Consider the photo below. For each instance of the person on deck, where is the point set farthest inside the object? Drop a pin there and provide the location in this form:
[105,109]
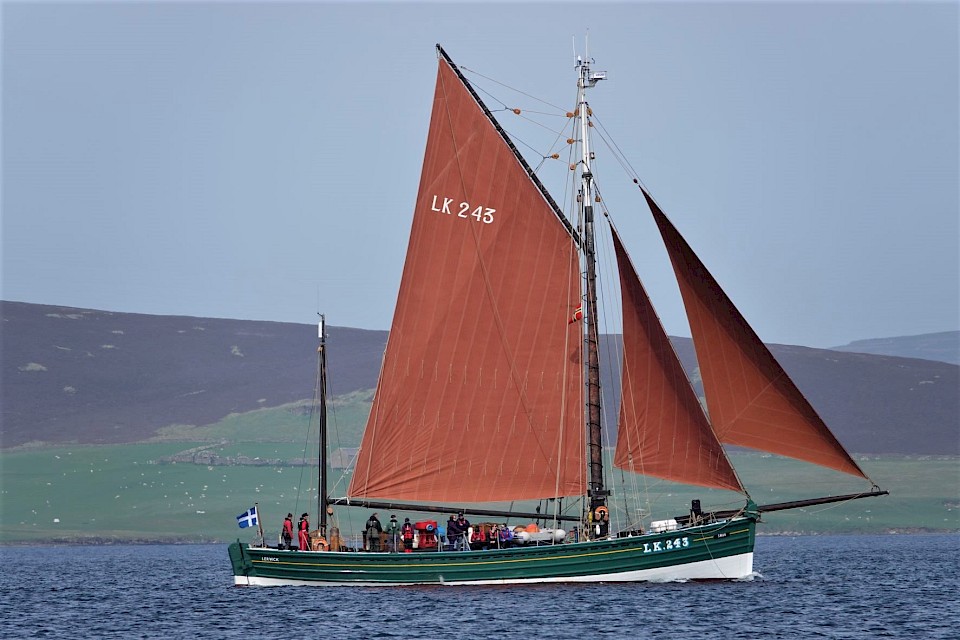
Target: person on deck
[506,536]
[286,534]
[463,525]
[374,529]
[406,532]
[303,527]
[453,532]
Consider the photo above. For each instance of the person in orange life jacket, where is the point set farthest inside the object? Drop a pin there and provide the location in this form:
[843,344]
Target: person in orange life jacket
[286,534]
[406,532]
[303,527]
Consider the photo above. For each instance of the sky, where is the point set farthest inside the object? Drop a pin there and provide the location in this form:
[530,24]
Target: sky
[261,160]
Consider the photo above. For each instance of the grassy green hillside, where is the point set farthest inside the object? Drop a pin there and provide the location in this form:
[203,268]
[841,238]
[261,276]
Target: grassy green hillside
[124,492]
[346,415]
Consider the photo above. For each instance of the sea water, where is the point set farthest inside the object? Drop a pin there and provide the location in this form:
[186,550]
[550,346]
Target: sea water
[904,586]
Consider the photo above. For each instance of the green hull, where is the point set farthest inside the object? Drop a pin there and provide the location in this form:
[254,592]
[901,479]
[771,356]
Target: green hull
[717,551]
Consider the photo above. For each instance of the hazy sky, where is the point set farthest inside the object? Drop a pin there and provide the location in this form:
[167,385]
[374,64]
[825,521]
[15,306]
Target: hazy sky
[260,161]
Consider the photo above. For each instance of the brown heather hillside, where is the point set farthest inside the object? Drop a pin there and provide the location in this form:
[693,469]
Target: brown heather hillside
[77,375]
[873,403]
[97,377]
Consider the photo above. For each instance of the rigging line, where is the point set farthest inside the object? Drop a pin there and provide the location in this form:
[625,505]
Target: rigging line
[503,104]
[614,348]
[536,122]
[563,395]
[620,160]
[603,285]
[638,475]
[519,113]
[539,113]
[570,204]
[320,388]
[529,146]
[494,309]
[332,412]
[632,172]
[832,506]
[570,184]
[306,442]
[332,418]
[506,86]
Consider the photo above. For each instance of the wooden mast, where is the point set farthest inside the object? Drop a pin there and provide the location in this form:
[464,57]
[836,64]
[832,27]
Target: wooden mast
[597,493]
[322,382]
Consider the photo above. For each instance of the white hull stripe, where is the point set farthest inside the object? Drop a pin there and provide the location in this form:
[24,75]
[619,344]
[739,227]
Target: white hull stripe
[728,568]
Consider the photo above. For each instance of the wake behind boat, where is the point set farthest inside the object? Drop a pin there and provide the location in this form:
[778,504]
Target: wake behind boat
[489,390]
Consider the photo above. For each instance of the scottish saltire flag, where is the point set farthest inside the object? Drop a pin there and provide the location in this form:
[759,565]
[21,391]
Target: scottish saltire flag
[247,518]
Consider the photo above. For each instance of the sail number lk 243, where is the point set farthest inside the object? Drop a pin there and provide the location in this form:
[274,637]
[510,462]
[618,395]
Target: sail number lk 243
[667,545]
[481,213]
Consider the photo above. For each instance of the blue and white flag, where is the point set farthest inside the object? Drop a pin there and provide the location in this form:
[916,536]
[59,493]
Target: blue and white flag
[247,518]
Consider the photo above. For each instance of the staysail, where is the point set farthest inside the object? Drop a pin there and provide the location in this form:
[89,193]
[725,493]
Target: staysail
[751,400]
[662,430]
[480,392]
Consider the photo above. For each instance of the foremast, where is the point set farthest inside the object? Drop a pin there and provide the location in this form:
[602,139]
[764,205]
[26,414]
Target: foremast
[322,409]
[596,491]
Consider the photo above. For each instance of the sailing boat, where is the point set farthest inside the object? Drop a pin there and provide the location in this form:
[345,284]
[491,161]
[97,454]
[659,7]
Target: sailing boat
[489,392]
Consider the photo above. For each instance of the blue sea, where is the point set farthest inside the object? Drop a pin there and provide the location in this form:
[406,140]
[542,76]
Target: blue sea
[905,586]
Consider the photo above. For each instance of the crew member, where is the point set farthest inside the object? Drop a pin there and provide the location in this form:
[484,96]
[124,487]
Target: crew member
[374,529]
[303,527]
[286,534]
[463,525]
[406,532]
[453,532]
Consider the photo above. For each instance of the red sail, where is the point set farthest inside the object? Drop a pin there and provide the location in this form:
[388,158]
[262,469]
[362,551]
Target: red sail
[750,399]
[663,431]
[479,396]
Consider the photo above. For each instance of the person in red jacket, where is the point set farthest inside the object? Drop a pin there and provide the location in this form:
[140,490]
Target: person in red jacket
[406,532]
[287,534]
[304,528]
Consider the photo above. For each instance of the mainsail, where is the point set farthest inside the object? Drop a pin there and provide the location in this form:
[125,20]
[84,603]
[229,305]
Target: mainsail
[662,431]
[751,400]
[480,392]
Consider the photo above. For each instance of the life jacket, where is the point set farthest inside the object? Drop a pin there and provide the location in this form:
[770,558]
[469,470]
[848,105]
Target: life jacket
[407,531]
[303,525]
